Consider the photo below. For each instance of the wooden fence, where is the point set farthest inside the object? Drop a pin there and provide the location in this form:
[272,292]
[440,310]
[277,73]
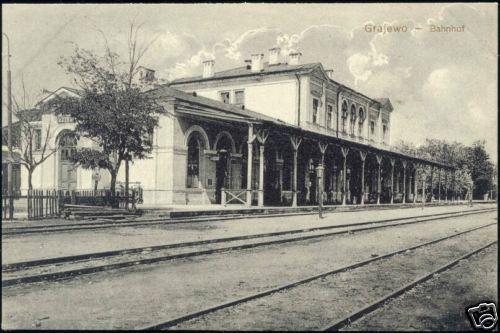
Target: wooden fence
[233,196]
[38,204]
[101,198]
[7,205]
[43,203]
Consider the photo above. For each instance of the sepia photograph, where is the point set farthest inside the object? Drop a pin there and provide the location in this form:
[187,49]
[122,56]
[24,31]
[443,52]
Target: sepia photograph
[250,166]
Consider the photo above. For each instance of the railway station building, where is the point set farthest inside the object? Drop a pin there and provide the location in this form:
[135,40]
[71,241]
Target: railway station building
[255,135]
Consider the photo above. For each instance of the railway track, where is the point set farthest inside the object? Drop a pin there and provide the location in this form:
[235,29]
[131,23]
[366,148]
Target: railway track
[360,313]
[104,224]
[71,266]
[173,323]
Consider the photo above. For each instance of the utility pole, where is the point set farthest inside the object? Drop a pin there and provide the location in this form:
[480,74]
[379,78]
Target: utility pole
[9,133]
[126,180]
[319,187]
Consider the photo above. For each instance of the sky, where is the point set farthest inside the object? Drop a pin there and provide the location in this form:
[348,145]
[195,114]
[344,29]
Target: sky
[442,85]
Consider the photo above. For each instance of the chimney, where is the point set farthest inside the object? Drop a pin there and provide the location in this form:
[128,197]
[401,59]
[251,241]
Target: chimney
[248,64]
[329,72]
[274,56]
[294,58]
[257,62]
[208,68]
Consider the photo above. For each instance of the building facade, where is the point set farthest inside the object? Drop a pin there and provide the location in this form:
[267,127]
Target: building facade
[255,135]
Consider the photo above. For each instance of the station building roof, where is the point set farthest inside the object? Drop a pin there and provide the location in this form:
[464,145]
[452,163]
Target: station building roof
[281,68]
[220,110]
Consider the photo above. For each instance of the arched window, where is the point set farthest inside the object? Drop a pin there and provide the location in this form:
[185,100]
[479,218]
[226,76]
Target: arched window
[353,113]
[361,120]
[353,118]
[344,116]
[361,115]
[67,145]
[195,145]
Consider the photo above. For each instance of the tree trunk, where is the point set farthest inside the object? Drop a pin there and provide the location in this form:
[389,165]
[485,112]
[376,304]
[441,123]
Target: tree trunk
[30,176]
[112,188]
[126,182]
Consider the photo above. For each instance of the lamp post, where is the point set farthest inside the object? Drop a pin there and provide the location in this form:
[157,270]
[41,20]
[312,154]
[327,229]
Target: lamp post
[9,133]
[319,186]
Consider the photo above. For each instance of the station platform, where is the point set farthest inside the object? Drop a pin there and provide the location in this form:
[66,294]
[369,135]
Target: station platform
[35,246]
[183,211]
[177,213]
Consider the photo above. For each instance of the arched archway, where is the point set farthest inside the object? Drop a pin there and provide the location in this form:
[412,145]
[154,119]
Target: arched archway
[273,170]
[225,146]
[196,142]
[66,147]
[200,131]
[225,135]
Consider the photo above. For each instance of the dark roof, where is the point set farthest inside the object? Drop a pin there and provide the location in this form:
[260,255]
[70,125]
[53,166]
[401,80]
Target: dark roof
[165,91]
[245,71]
[72,90]
[267,69]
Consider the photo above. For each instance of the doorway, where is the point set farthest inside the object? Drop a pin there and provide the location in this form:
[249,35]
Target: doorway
[67,169]
[222,175]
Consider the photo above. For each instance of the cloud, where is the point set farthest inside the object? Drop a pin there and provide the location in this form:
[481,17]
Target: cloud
[359,65]
[433,79]
[438,80]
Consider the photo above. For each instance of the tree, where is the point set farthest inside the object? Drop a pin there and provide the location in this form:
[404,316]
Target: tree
[482,169]
[29,139]
[473,167]
[406,147]
[112,109]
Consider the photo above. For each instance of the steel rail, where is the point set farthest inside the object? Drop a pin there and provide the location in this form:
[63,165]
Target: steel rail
[178,320]
[98,255]
[356,315]
[164,221]
[84,257]
[107,267]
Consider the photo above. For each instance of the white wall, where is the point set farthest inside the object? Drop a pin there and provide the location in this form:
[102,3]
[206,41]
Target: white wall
[155,174]
[275,99]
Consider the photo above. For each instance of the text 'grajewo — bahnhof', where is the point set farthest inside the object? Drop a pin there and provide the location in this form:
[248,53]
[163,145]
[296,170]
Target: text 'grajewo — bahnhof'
[402,28]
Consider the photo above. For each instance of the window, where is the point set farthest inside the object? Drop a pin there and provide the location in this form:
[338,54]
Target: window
[239,97]
[193,164]
[67,146]
[315,110]
[361,115]
[225,97]
[384,132]
[361,120]
[37,139]
[353,118]
[344,116]
[329,116]
[372,128]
